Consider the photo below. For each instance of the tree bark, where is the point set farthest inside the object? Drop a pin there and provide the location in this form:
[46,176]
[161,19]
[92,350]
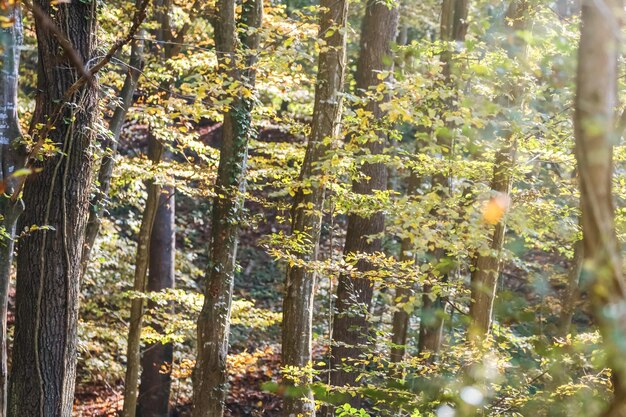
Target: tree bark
[354,294]
[453,27]
[209,380]
[484,277]
[400,321]
[307,207]
[49,260]
[596,99]
[11,159]
[572,292]
[156,359]
[142,261]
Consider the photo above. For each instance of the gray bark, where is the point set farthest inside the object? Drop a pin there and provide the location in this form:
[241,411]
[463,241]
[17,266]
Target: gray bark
[156,358]
[307,208]
[11,159]
[140,283]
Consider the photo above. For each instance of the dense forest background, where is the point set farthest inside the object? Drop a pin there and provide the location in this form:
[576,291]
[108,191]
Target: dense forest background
[285,208]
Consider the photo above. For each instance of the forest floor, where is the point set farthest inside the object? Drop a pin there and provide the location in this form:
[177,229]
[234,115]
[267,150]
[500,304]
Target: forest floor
[246,399]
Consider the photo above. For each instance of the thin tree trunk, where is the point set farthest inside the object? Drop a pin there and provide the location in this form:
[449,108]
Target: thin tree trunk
[49,261]
[10,160]
[110,145]
[572,292]
[453,27]
[209,380]
[401,318]
[400,322]
[485,274]
[170,47]
[142,261]
[308,203]
[354,295]
[484,277]
[596,99]
[156,360]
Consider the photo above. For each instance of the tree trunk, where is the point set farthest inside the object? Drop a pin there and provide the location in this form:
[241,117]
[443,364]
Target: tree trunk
[10,161]
[400,322]
[307,207]
[354,294]
[572,291]
[156,360]
[142,261]
[487,267]
[484,277]
[594,130]
[49,260]
[209,380]
[401,318]
[105,173]
[453,27]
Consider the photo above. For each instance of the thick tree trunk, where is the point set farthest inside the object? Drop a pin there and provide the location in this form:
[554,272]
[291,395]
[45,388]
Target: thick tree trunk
[142,262]
[594,129]
[105,173]
[209,380]
[49,261]
[354,294]
[308,203]
[453,27]
[156,360]
[487,267]
[10,161]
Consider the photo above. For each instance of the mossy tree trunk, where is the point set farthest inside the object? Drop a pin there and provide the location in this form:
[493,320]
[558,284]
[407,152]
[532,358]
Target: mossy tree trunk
[210,378]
